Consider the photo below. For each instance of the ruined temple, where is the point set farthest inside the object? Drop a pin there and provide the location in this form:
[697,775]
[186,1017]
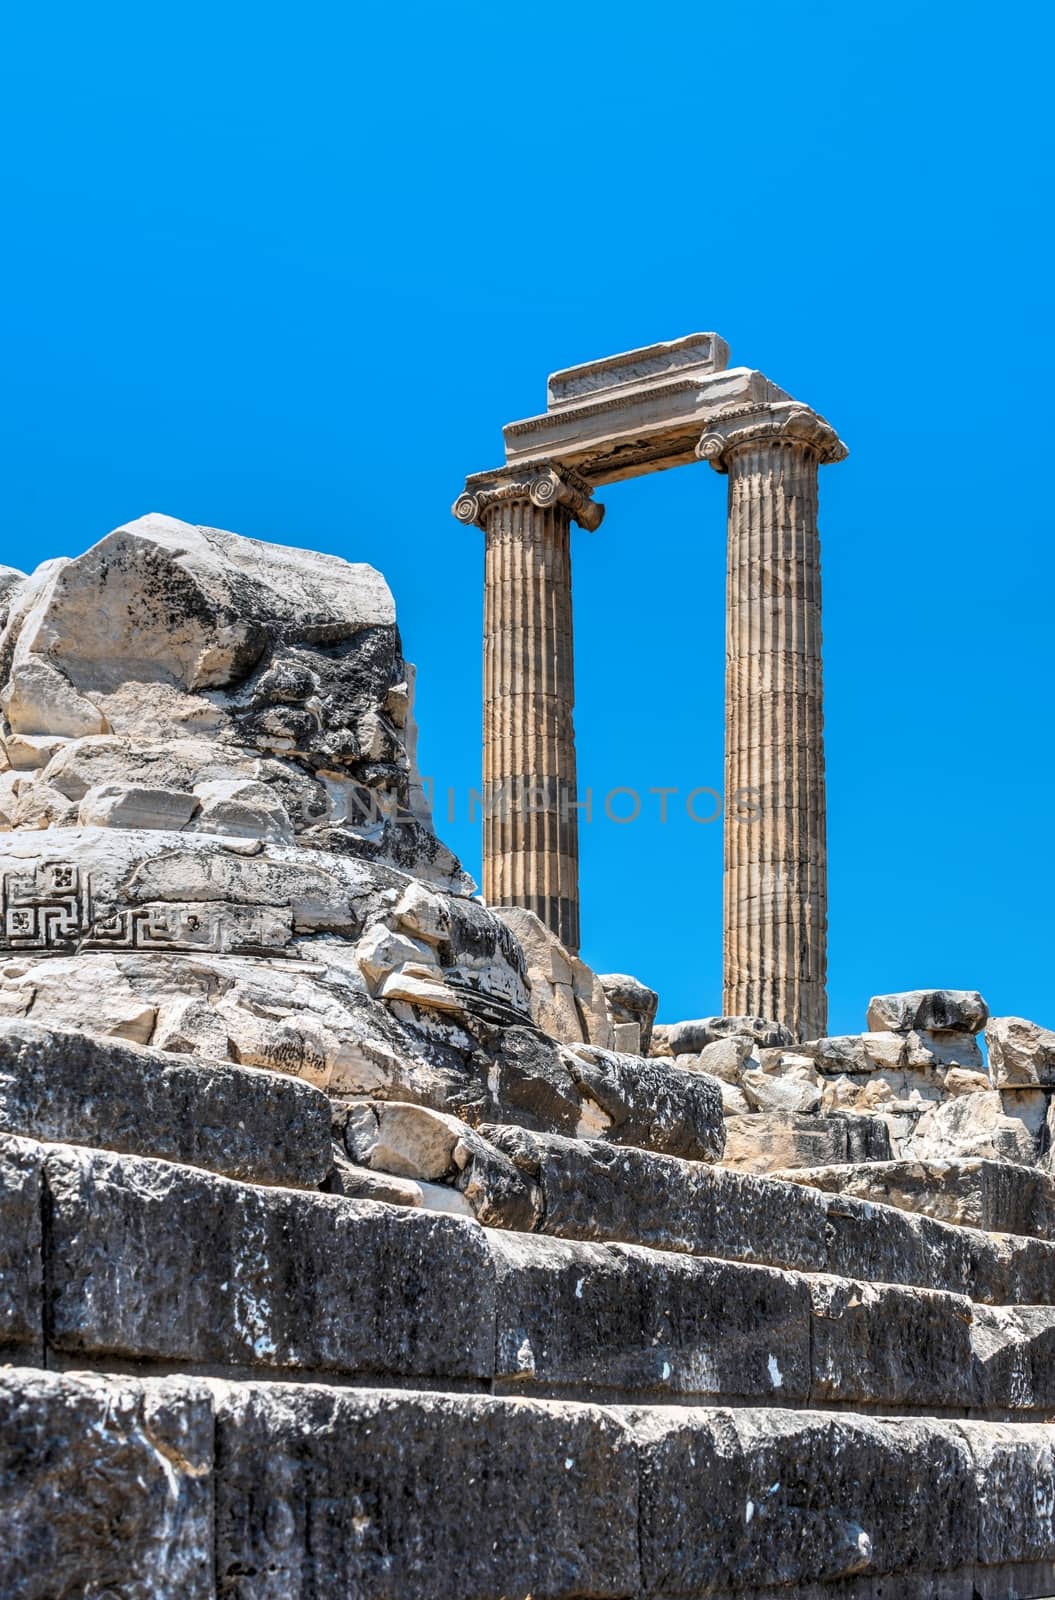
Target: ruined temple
[357,1240]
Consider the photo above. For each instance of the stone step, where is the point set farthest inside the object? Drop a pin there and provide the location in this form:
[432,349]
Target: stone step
[997,1196]
[120,1259]
[508,1177]
[276,1491]
[242,1122]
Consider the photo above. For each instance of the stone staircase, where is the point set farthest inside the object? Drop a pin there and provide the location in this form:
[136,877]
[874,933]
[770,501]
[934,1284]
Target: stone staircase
[647,1377]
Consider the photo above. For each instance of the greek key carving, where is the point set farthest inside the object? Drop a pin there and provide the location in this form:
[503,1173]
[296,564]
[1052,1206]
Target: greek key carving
[50,906]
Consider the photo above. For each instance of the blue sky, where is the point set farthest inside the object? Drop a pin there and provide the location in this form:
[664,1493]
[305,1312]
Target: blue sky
[288,270]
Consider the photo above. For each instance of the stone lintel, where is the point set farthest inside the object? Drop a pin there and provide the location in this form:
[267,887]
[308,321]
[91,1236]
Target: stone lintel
[693,356]
[780,422]
[628,432]
[544,483]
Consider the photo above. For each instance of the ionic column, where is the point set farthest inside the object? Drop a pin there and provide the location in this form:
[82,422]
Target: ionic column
[531,838]
[775,887]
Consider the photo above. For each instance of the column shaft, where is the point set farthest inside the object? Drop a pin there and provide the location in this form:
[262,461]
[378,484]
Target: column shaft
[531,842]
[775,881]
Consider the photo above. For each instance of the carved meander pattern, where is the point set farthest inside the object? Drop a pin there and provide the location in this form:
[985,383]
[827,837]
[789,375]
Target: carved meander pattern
[51,907]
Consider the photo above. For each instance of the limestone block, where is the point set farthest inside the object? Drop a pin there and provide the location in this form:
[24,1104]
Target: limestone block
[858,1053]
[584,1318]
[424,914]
[928,1050]
[934,1010]
[1021,1054]
[996,1196]
[156,1262]
[691,1037]
[815,1498]
[382,949]
[1014,1357]
[77,993]
[598,1191]
[73,1088]
[31,752]
[971,1125]
[416,989]
[189,1026]
[650,1103]
[660,1045]
[592,1005]
[414,1142]
[958,1080]
[734,1101]
[39,699]
[335,1492]
[129,805]
[630,1001]
[105,1486]
[794,1091]
[626,1038]
[244,809]
[888,1345]
[791,1139]
[726,1058]
[21,1271]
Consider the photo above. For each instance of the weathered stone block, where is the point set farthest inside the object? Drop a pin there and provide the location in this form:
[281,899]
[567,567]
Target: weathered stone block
[997,1196]
[652,1104]
[1014,1357]
[595,1191]
[21,1292]
[105,1487]
[1021,1054]
[878,1344]
[158,1262]
[791,1139]
[758,1498]
[75,1088]
[1014,1469]
[583,1319]
[937,1010]
[327,1493]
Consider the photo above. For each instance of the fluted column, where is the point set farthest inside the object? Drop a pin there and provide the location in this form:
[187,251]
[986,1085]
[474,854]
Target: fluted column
[530,820]
[775,887]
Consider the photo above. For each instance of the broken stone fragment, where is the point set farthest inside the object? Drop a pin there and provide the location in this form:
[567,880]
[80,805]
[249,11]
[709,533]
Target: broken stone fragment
[796,1090]
[689,1038]
[933,1010]
[1020,1053]
[129,805]
[971,1125]
[630,1002]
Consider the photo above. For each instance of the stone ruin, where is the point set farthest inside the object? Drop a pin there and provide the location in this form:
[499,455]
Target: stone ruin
[359,1242]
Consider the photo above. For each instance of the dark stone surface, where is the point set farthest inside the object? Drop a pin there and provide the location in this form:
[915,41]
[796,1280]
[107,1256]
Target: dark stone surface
[688,1038]
[749,1498]
[153,1261]
[105,1488]
[998,1196]
[78,1089]
[592,1190]
[21,1290]
[589,1318]
[325,1494]
[653,1104]
[877,1344]
[1014,1357]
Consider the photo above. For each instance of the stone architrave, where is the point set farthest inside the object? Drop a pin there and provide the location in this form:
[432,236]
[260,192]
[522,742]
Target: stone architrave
[775,879]
[531,840]
[642,411]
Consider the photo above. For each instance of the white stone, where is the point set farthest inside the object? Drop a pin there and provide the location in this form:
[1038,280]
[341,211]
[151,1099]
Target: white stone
[129,805]
[793,1092]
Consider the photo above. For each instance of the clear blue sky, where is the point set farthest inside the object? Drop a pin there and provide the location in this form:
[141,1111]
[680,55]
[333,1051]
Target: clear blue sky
[288,270]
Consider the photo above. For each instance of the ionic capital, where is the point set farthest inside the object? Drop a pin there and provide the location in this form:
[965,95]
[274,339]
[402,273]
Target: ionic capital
[543,484]
[781,423]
